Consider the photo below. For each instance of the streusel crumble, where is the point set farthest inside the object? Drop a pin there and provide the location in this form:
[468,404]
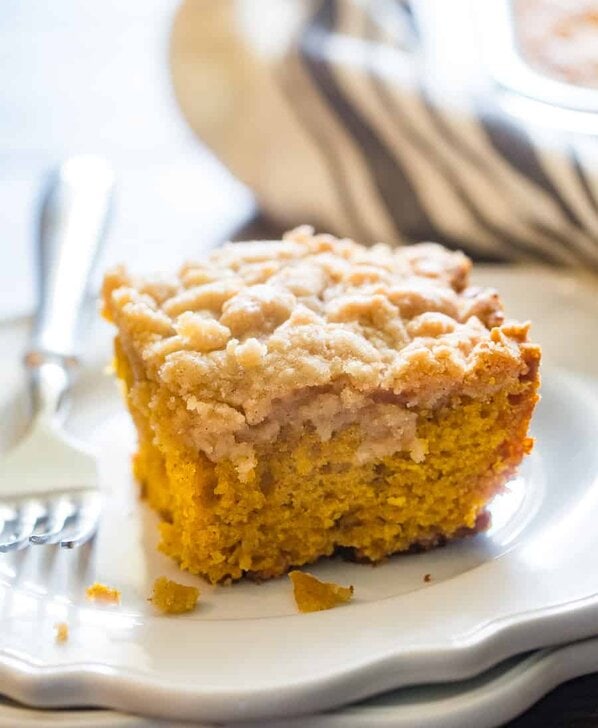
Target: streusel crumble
[295,397]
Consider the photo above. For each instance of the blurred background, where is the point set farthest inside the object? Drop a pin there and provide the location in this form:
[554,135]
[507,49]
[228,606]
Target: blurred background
[471,123]
[94,77]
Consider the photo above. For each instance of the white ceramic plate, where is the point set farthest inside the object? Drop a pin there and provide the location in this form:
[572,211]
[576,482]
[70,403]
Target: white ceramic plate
[485,701]
[246,653]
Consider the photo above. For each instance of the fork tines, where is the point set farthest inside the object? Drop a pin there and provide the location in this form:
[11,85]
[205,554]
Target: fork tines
[69,520]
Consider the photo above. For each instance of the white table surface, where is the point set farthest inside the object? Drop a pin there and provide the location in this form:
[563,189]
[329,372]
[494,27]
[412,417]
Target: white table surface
[93,77]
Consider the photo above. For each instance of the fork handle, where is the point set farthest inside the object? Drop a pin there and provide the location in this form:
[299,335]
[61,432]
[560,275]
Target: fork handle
[72,224]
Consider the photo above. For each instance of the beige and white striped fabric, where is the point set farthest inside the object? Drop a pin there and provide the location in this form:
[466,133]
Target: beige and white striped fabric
[333,114]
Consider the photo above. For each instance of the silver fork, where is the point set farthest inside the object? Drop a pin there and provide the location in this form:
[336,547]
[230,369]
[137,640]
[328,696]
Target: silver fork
[48,481]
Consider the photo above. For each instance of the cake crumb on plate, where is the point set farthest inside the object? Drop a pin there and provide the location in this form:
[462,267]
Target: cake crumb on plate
[169,597]
[62,632]
[101,593]
[313,595]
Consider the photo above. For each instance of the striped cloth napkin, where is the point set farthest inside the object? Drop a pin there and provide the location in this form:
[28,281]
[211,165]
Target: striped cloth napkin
[380,122]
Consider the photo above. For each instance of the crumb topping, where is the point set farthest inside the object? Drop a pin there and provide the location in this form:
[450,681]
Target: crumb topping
[313,595]
[169,597]
[313,331]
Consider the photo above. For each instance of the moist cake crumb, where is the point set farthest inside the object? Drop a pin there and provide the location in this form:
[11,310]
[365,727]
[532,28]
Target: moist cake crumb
[169,597]
[313,595]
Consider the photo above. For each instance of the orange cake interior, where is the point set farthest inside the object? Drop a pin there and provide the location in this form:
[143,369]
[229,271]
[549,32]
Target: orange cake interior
[299,397]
